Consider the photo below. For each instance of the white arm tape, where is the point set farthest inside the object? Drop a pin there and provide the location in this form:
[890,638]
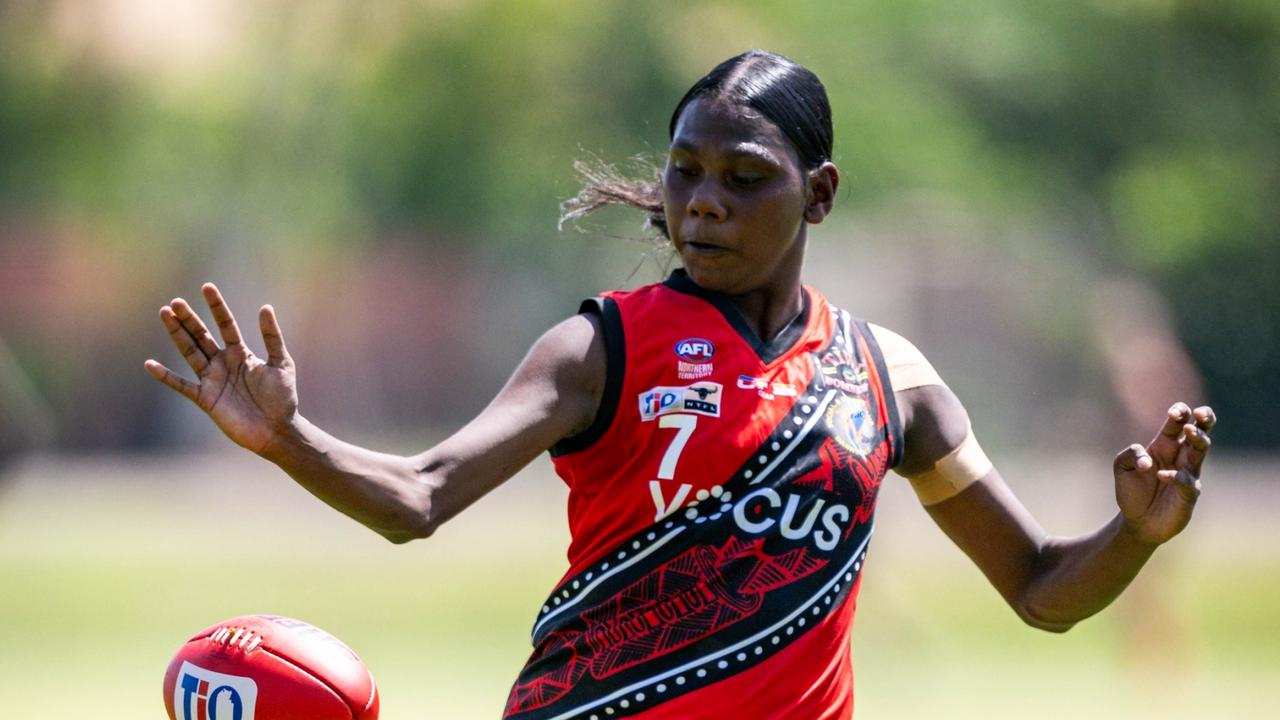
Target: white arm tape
[956,471]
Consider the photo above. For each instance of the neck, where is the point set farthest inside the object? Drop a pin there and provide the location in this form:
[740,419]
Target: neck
[772,305]
[761,316]
[768,301]
[769,310]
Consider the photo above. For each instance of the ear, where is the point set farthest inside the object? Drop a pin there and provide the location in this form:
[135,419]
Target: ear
[823,183]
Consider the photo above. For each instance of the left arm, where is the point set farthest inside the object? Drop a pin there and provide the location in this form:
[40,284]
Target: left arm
[1054,582]
[1051,582]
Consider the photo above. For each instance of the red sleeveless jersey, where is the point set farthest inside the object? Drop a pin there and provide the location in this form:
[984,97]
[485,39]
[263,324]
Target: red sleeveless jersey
[720,508]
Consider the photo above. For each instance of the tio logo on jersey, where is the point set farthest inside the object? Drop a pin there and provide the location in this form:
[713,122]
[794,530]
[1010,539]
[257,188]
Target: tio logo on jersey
[203,694]
[699,398]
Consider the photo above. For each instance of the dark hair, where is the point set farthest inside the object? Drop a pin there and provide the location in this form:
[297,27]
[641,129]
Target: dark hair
[786,93]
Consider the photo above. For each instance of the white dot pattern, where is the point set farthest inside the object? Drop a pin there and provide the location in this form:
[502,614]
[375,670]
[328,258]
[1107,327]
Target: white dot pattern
[805,414]
[748,654]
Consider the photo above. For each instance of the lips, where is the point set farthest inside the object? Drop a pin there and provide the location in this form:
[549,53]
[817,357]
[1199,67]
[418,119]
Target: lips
[704,247]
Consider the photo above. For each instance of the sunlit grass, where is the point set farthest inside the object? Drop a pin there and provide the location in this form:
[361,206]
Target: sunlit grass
[105,571]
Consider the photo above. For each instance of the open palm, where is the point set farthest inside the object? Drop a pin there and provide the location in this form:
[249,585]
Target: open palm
[250,399]
[1157,486]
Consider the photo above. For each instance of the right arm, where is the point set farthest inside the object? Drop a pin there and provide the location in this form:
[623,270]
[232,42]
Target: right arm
[553,394]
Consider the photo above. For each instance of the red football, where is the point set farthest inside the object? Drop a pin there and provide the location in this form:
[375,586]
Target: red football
[267,667]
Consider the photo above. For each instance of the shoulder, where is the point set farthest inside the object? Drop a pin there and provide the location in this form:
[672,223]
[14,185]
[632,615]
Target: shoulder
[572,353]
[908,367]
[934,422]
[562,376]
[579,362]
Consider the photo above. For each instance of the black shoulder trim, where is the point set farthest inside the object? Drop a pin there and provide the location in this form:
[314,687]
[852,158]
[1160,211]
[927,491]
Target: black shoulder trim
[767,351]
[615,352]
[886,390]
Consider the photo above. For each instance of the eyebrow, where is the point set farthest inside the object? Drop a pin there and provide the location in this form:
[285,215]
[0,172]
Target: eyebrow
[746,149]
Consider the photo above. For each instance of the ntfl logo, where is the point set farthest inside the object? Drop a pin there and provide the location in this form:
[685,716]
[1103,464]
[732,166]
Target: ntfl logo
[203,694]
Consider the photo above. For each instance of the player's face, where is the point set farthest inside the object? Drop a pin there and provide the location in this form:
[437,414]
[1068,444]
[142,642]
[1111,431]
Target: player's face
[735,198]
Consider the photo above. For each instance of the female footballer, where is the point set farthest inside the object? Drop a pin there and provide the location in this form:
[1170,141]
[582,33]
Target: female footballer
[723,435]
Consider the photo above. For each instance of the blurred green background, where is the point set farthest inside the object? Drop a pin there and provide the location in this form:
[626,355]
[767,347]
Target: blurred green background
[1072,208]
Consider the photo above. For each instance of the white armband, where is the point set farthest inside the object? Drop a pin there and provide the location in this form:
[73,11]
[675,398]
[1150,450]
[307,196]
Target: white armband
[956,471]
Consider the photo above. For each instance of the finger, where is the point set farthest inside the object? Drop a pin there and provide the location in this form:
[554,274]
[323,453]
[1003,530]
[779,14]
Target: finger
[194,326]
[1205,418]
[222,315]
[1188,485]
[277,354]
[1133,459]
[189,389]
[195,358]
[1179,414]
[1197,444]
[1165,444]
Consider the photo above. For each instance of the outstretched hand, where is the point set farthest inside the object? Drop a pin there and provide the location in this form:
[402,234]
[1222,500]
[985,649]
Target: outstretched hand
[1157,486]
[250,399]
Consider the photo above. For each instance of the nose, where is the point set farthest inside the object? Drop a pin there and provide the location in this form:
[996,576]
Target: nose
[706,204]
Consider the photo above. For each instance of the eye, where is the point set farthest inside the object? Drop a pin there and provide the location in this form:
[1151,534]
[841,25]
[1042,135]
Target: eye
[685,170]
[745,179]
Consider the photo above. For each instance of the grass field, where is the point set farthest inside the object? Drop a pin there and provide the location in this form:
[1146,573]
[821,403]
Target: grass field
[107,565]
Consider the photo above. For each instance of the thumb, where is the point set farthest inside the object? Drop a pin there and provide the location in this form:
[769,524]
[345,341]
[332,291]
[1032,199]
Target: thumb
[1133,459]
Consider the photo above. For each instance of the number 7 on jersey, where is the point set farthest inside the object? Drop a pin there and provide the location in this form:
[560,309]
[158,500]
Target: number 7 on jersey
[684,426]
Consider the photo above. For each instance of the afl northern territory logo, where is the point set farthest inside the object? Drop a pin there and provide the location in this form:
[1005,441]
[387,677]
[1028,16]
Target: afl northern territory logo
[695,350]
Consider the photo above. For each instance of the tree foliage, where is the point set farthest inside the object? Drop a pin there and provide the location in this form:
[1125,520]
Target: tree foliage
[1150,128]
